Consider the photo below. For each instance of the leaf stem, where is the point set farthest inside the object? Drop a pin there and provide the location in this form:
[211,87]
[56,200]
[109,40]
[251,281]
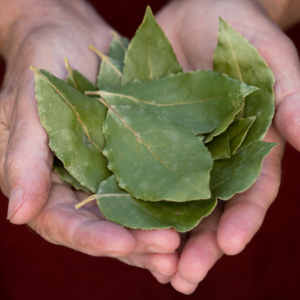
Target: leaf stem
[96,196]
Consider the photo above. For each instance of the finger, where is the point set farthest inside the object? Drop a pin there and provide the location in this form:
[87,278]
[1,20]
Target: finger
[161,278]
[28,161]
[161,263]
[147,241]
[181,285]
[199,254]
[244,213]
[156,241]
[281,56]
[81,230]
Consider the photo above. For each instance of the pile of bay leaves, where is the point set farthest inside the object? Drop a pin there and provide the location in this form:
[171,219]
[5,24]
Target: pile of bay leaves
[155,146]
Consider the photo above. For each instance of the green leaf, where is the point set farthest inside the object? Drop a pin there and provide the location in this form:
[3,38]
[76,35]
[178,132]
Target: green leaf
[191,100]
[237,173]
[153,158]
[64,175]
[118,46]
[82,84]
[236,57]
[237,132]
[110,72]
[77,80]
[73,122]
[121,208]
[219,146]
[150,54]
[225,123]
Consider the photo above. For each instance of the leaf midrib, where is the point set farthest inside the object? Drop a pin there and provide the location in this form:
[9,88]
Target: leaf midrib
[102,93]
[241,166]
[78,117]
[148,148]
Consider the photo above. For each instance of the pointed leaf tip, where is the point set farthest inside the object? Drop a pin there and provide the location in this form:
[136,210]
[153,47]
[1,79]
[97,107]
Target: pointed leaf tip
[149,11]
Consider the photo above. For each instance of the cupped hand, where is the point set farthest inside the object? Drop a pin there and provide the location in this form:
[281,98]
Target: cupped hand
[41,37]
[192,27]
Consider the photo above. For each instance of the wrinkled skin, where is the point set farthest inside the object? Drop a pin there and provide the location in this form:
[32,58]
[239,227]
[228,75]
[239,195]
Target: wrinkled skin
[26,159]
[192,27]
[42,40]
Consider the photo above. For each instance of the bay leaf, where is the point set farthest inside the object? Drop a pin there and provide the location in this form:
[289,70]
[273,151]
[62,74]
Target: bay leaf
[153,158]
[219,146]
[73,122]
[120,207]
[76,80]
[199,101]
[110,72]
[82,84]
[64,175]
[237,173]
[225,123]
[150,54]
[118,46]
[236,57]
[237,132]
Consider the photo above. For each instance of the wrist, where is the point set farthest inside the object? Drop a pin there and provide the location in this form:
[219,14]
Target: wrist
[20,18]
[285,13]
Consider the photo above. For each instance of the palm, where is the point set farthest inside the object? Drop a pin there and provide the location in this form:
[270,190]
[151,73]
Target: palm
[194,39]
[49,204]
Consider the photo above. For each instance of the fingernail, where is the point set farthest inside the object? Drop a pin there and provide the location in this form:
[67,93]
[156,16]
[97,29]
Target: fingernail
[156,249]
[15,201]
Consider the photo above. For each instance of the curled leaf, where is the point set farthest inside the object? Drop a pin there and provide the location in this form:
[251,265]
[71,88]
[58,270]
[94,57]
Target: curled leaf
[237,132]
[219,146]
[64,175]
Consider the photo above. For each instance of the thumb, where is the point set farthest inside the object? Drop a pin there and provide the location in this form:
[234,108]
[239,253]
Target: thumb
[28,160]
[283,60]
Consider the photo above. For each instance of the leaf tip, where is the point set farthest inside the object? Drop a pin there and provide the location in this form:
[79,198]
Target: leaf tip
[148,14]
[149,10]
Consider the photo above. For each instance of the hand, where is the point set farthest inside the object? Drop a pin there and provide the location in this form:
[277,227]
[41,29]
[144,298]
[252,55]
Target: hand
[41,34]
[192,27]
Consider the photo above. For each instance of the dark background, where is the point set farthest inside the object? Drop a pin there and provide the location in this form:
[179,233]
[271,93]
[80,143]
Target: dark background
[269,267]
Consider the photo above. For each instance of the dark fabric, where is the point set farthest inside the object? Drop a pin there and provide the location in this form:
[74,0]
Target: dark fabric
[269,267]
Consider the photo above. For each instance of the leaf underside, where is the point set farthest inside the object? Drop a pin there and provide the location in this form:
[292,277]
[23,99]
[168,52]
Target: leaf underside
[118,47]
[219,146]
[110,73]
[64,175]
[237,132]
